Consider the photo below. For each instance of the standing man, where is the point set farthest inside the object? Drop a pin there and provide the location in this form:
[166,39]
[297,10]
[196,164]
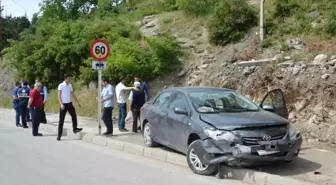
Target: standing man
[143,86]
[122,107]
[16,103]
[35,104]
[28,112]
[44,94]
[65,92]
[23,94]
[107,98]
[137,100]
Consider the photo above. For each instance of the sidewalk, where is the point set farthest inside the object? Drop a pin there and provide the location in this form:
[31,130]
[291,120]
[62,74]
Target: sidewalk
[313,165]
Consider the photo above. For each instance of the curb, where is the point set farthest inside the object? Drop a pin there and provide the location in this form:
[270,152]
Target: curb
[245,175]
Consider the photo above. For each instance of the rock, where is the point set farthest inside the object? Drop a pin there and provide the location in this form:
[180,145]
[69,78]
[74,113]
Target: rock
[93,85]
[182,73]
[199,51]
[296,43]
[299,106]
[150,25]
[287,57]
[325,76]
[289,63]
[247,71]
[138,23]
[332,70]
[203,66]
[314,14]
[279,57]
[331,62]
[333,57]
[315,120]
[320,59]
[296,70]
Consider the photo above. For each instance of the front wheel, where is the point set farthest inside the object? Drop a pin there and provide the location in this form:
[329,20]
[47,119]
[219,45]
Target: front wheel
[147,135]
[196,165]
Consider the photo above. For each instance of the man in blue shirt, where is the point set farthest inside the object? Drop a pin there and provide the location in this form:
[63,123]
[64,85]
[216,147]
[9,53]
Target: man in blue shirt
[143,86]
[23,94]
[107,98]
[16,104]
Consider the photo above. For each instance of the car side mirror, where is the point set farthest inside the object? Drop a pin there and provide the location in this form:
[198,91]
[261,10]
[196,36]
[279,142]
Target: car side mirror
[269,108]
[180,111]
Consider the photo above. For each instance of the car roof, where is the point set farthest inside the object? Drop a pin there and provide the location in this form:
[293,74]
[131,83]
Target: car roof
[196,88]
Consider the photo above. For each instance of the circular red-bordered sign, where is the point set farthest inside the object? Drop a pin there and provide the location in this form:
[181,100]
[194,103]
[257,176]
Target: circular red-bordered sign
[99,50]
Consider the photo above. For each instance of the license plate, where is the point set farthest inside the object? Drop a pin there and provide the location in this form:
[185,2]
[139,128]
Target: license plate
[264,152]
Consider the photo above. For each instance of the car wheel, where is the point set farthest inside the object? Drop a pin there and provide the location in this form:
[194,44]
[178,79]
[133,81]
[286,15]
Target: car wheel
[148,137]
[196,165]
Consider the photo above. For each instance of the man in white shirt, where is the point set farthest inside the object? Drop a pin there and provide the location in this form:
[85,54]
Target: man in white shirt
[64,98]
[107,98]
[122,107]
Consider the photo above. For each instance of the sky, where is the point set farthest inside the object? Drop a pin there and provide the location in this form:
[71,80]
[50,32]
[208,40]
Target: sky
[20,7]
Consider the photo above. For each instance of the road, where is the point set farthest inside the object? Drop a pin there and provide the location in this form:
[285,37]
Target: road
[29,160]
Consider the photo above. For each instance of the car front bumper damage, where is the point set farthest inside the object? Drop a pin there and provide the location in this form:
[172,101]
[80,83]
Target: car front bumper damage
[211,151]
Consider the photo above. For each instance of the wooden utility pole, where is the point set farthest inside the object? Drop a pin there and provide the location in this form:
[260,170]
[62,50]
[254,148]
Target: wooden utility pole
[1,28]
[262,31]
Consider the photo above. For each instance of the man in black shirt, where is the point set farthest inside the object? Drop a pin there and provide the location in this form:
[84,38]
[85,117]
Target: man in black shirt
[137,98]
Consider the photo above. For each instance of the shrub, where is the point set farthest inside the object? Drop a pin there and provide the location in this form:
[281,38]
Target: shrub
[231,19]
[197,7]
[330,24]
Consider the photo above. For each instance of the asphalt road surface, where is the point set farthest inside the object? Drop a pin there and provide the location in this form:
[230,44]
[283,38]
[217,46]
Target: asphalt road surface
[29,160]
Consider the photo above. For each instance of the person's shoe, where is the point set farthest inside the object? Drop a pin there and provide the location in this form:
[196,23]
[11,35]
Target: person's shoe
[58,138]
[18,125]
[38,134]
[25,126]
[29,120]
[107,134]
[76,130]
[123,130]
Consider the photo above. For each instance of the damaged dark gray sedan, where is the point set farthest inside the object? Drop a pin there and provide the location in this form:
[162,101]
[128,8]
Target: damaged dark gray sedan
[216,125]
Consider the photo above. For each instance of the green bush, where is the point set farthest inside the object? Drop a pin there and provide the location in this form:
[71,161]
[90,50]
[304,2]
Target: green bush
[330,24]
[231,19]
[197,7]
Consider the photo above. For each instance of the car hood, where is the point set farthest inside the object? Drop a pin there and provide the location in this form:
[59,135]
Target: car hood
[231,121]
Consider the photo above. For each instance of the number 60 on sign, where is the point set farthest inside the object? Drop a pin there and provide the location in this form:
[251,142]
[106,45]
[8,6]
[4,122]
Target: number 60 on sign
[99,50]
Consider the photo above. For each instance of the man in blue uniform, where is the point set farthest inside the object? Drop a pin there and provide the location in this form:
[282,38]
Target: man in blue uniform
[16,104]
[23,94]
[28,112]
[143,86]
[44,94]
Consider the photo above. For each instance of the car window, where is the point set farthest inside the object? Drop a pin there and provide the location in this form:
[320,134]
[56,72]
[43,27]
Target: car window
[179,101]
[274,98]
[214,101]
[163,99]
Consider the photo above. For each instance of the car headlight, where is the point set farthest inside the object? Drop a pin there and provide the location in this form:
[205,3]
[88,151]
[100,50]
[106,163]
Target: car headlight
[220,134]
[291,130]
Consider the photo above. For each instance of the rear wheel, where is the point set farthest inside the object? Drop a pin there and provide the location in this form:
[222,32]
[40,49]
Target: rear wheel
[196,165]
[148,140]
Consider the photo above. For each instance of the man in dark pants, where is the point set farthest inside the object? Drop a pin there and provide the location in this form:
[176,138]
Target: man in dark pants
[64,98]
[23,94]
[137,100]
[107,98]
[44,94]
[16,104]
[35,104]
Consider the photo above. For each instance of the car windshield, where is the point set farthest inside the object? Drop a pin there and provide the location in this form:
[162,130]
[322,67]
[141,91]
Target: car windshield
[216,101]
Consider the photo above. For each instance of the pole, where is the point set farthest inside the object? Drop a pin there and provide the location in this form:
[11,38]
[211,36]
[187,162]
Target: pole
[262,32]
[99,102]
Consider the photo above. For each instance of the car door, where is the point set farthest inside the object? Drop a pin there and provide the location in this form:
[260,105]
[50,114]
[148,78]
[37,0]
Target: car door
[274,101]
[178,124]
[157,117]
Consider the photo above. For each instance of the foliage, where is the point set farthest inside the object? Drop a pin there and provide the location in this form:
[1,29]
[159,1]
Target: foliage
[197,7]
[59,42]
[231,19]
[12,27]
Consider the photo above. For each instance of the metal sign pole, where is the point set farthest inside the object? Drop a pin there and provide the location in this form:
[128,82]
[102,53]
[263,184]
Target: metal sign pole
[99,102]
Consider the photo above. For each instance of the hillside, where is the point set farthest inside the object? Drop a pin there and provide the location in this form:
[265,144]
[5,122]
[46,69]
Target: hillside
[199,42]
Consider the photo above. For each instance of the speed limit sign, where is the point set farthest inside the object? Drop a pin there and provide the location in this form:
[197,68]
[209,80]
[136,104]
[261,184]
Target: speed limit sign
[99,50]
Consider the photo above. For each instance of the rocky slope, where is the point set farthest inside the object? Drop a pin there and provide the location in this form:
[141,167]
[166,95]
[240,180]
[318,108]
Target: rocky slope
[309,85]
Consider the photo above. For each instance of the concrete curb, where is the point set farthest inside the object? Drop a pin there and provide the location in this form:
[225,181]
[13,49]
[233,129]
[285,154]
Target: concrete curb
[245,175]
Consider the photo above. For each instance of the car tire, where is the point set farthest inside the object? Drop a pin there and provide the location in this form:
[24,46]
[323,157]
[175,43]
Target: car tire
[195,164]
[148,140]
